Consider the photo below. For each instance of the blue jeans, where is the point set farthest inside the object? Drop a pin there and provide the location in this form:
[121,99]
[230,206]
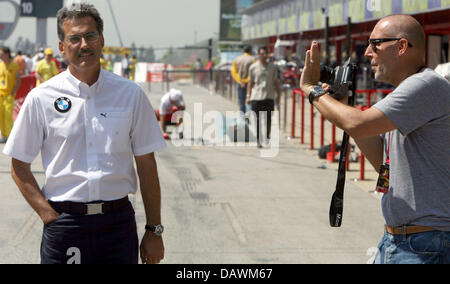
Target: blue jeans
[422,248]
[242,95]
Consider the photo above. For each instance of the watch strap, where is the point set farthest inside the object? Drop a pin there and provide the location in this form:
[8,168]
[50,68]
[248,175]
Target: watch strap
[316,91]
[156,229]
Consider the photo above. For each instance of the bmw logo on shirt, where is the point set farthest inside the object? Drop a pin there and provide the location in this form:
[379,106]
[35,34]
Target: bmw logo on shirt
[63,104]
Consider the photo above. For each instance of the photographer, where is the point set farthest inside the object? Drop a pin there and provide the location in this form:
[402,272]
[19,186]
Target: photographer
[407,134]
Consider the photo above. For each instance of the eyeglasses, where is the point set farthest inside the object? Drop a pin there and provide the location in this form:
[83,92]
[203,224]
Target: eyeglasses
[374,42]
[89,37]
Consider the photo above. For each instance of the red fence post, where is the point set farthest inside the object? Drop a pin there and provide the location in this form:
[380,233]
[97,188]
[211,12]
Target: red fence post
[361,166]
[293,114]
[302,122]
[322,126]
[311,145]
[333,143]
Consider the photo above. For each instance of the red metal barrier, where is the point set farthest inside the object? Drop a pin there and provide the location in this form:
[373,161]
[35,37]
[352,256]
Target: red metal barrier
[302,114]
[27,83]
[293,114]
[322,129]
[368,105]
[331,156]
[302,129]
[333,144]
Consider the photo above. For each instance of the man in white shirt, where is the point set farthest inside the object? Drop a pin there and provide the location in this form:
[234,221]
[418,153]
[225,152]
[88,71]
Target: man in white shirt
[262,85]
[36,58]
[171,102]
[28,64]
[88,124]
[126,66]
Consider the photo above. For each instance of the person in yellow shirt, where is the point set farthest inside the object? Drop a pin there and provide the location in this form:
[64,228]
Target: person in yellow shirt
[133,63]
[46,68]
[103,62]
[109,65]
[9,84]
[240,73]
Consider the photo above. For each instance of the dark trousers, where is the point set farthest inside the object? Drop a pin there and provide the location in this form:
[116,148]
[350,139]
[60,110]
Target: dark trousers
[263,109]
[104,238]
[126,72]
[242,95]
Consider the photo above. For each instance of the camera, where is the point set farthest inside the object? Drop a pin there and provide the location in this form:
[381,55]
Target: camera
[340,79]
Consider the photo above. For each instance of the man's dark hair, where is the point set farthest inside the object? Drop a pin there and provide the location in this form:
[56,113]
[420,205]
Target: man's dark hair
[247,48]
[76,11]
[6,50]
[263,48]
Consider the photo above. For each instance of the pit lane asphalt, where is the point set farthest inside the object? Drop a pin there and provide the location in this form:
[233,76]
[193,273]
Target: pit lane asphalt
[227,204]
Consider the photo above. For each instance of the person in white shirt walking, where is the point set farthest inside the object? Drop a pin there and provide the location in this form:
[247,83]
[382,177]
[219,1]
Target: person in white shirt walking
[88,125]
[262,86]
[126,66]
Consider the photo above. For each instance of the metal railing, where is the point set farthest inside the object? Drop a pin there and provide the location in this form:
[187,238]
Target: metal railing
[221,83]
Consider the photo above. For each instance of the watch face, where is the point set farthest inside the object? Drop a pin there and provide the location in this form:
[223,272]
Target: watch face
[156,229]
[319,90]
[159,229]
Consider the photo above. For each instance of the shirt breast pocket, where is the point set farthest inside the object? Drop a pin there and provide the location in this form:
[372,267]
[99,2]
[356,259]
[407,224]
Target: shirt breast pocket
[116,131]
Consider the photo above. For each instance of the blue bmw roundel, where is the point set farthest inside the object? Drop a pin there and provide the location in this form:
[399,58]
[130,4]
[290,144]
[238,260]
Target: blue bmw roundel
[63,104]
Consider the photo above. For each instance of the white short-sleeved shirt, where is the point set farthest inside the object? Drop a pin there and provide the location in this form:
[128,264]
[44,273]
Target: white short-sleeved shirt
[87,136]
[263,78]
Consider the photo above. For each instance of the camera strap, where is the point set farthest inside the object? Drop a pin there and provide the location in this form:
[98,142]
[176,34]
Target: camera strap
[383,178]
[337,200]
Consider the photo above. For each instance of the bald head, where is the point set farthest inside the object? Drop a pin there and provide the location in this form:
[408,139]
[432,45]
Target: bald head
[405,26]
[403,52]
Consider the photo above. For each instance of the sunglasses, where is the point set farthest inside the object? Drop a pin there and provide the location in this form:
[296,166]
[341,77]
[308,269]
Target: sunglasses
[89,37]
[374,42]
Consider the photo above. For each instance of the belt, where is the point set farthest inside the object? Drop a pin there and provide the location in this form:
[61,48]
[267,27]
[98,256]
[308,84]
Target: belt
[407,230]
[92,208]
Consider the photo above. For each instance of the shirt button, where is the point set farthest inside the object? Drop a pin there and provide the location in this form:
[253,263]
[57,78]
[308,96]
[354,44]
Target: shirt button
[88,97]
[90,144]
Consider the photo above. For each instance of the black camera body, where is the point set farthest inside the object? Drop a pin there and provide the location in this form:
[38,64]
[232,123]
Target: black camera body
[341,79]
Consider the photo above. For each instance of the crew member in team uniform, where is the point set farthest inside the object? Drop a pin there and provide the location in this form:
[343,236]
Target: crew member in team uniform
[89,124]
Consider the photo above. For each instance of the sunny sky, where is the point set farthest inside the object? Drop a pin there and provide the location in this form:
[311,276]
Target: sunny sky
[157,23]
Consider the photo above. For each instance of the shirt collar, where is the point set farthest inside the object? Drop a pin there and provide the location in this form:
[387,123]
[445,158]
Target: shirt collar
[76,84]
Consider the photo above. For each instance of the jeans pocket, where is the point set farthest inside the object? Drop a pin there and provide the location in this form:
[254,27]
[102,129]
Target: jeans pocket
[429,243]
[53,222]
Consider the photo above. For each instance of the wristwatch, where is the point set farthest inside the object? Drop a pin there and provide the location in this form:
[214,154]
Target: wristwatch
[155,229]
[316,92]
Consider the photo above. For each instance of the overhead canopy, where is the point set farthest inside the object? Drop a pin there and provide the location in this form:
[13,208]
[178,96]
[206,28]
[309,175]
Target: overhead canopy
[278,17]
